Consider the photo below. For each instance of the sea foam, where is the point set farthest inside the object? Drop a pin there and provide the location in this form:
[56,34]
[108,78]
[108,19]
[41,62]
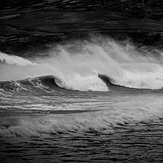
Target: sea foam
[76,66]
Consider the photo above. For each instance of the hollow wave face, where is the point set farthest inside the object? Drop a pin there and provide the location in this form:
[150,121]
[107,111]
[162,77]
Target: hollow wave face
[77,65]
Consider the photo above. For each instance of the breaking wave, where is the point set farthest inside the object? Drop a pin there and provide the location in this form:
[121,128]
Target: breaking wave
[79,65]
[13,60]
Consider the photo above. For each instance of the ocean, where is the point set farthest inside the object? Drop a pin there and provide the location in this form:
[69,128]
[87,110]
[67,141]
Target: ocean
[90,94]
[85,101]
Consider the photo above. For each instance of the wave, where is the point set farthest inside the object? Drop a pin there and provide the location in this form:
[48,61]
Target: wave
[130,84]
[50,84]
[120,115]
[77,65]
[14,60]
[39,85]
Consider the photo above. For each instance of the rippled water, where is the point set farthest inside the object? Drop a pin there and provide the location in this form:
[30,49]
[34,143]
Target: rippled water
[70,93]
[82,127]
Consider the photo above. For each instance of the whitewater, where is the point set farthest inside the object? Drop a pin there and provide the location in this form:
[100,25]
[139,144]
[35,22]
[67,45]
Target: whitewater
[91,100]
[76,66]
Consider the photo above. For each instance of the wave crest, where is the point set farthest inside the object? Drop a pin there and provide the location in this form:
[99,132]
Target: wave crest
[76,66]
[14,60]
[50,83]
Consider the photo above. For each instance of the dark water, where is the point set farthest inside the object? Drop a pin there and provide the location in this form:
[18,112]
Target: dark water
[81,81]
[137,143]
[82,127]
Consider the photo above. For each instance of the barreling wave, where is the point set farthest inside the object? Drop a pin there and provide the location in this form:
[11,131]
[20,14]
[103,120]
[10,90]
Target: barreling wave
[79,65]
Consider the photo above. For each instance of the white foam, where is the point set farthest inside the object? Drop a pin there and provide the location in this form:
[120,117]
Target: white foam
[140,77]
[131,112]
[78,64]
[11,59]
[82,83]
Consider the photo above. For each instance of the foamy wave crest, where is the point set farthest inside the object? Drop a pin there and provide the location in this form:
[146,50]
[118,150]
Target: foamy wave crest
[11,59]
[49,84]
[78,64]
[82,83]
[140,78]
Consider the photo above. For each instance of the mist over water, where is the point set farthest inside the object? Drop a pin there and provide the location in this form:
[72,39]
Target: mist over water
[79,97]
[76,65]
[81,81]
